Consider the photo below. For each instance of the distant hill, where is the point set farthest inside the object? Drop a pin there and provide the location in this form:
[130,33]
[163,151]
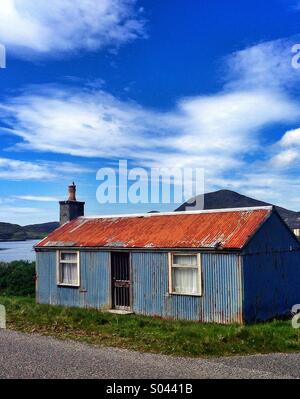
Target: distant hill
[14,232]
[230,199]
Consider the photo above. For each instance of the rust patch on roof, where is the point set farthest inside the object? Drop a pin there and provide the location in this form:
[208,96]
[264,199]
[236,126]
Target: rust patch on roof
[221,230]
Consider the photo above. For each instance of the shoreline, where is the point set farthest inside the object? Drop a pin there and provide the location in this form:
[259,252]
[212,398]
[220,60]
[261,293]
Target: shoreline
[30,239]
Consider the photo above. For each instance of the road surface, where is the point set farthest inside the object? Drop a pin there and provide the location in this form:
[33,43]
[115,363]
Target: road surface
[34,356]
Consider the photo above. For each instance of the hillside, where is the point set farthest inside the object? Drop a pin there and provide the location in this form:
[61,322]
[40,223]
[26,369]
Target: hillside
[230,199]
[14,232]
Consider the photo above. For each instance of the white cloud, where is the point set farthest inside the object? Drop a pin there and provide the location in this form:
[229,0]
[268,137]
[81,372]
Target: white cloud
[285,158]
[41,27]
[290,138]
[221,133]
[12,169]
[287,150]
[214,132]
[80,123]
[36,198]
[265,65]
[230,121]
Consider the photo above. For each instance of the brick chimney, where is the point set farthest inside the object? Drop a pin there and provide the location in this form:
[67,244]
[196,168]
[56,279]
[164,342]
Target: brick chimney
[71,209]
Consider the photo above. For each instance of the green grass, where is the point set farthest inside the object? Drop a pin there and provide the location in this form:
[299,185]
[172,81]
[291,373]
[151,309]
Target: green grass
[149,334]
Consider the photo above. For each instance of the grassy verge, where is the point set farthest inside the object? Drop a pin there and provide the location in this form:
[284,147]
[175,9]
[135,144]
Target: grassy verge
[149,334]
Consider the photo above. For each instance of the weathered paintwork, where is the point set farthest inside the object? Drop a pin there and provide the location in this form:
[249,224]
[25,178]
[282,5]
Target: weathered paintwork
[94,290]
[222,229]
[221,301]
[257,283]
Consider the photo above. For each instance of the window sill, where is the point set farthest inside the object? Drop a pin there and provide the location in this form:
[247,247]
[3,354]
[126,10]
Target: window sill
[184,294]
[68,285]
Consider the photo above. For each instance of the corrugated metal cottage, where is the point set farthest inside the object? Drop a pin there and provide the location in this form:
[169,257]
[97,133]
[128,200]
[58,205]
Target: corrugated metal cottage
[223,266]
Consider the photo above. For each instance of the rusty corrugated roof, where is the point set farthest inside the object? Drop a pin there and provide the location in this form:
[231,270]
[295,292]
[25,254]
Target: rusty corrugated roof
[222,229]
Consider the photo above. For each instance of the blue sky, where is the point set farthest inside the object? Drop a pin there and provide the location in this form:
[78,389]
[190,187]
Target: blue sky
[205,84]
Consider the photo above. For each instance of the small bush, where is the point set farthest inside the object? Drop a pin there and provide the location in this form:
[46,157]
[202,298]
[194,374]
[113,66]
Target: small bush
[17,278]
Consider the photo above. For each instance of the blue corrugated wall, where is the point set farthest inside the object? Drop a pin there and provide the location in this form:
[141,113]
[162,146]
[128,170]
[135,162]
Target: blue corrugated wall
[94,281]
[271,272]
[222,289]
[221,301]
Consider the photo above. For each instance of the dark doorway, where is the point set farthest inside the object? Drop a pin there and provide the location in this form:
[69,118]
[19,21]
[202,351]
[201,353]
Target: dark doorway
[120,278]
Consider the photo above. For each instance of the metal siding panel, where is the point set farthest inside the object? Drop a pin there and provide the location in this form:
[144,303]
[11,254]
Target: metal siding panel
[151,289]
[67,296]
[184,307]
[222,289]
[150,283]
[94,288]
[95,279]
[47,286]
[222,296]
[44,262]
[272,284]
[221,301]
[271,268]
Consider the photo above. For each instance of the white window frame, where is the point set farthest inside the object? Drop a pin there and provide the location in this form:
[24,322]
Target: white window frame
[199,267]
[59,261]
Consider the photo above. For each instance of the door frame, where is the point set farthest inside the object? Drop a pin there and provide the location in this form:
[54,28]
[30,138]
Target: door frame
[112,305]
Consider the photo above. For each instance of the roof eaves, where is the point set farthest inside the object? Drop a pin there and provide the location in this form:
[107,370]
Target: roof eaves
[127,249]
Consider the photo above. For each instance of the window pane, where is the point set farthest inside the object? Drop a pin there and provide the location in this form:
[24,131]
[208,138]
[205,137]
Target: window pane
[185,260]
[185,281]
[68,273]
[69,256]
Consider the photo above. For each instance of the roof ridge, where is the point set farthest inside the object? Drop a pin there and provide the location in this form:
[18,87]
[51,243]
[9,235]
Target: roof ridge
[197,212]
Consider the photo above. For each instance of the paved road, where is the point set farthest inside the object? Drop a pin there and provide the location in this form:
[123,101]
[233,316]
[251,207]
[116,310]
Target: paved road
[34,356]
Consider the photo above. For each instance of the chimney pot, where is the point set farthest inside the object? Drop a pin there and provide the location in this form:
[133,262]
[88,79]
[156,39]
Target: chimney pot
[72,192]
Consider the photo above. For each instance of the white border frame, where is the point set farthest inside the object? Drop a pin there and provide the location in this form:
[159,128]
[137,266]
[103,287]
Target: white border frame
[58,255]
[199,266]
